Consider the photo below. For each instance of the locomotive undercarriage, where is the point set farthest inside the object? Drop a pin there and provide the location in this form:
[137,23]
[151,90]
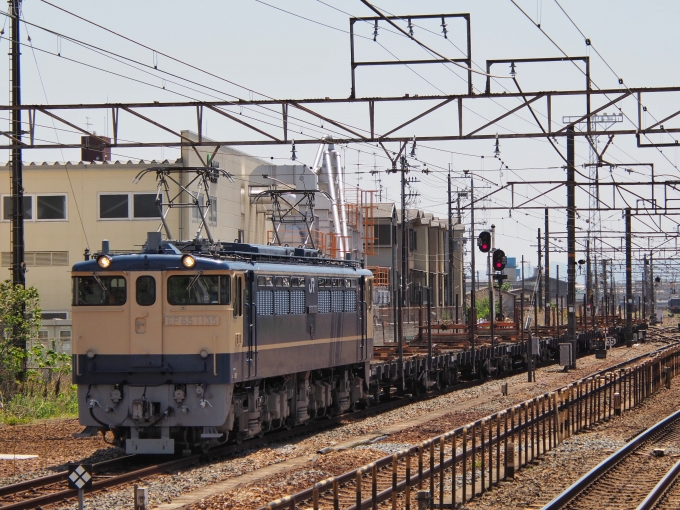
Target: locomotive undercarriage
[160,419]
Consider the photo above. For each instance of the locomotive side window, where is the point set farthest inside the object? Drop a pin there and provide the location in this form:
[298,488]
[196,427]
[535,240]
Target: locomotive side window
[369,294]
[99,291]
[199,290]
[146,290]
[265,281]
[238,296]
[282,281]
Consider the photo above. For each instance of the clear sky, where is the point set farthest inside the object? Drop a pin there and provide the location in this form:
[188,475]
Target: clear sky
[259,51]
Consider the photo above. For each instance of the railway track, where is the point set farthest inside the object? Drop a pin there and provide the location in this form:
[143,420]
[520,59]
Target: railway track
[53,488]
[470,460]
[630,478]
[666,494]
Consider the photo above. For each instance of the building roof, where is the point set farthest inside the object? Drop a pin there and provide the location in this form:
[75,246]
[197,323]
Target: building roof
[101,163]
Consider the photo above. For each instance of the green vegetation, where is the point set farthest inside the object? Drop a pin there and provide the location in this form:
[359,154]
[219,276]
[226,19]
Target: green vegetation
[482,308]
[35,381]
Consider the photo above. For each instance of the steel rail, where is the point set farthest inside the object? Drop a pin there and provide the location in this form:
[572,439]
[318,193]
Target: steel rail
[306,495]
[44,481]
[660,489]
[182,463]
[578,487]
[229,450]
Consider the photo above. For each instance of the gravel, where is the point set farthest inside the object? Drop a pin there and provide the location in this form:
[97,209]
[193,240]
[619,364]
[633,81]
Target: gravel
[481,400]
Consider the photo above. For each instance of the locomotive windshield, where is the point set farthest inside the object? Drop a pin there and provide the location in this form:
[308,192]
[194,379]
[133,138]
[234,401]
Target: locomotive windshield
[99,291]
[199,290]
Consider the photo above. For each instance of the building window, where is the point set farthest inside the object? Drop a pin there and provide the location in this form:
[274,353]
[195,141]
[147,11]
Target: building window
[116,206]
[412,240]
[145,205]
[54,315]
[7,207]
[241,236]
[212,213]
[51,207]
[382,235]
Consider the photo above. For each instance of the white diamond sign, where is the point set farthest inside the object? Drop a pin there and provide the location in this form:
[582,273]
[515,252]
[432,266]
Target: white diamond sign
[80,476]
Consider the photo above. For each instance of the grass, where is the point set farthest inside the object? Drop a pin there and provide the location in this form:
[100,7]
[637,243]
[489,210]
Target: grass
[26,408]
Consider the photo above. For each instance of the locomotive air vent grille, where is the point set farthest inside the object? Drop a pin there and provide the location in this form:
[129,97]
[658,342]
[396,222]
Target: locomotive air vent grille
[281,302]
[324,301]
[337,301]
[297,301]
[265,302]
[350,301]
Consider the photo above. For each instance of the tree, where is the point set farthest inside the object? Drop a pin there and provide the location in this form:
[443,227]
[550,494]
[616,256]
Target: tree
[482,308]
[20,318]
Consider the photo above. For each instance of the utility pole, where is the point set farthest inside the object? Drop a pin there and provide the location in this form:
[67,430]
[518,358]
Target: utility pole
[395,293]
[652,289]
[571,244]
[451,269]
[473,301]
[605,294]
[404,269]
[589,282]
[629,281]
[645,290]
[547,271]
[492,300]
[16,182]
[530,356]
[539,274]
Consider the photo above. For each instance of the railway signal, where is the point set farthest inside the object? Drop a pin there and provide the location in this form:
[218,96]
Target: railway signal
[484,241]
[499,260]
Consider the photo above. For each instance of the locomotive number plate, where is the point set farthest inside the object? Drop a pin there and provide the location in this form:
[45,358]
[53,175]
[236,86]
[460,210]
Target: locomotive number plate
[192,320]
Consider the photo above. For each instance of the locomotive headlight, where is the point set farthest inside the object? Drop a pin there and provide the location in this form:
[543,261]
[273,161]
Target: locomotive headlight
[104,261]
[91,354]
[188,261]
[204,354]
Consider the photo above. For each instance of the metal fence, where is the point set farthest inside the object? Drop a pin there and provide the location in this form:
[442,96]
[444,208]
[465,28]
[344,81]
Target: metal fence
[470,460]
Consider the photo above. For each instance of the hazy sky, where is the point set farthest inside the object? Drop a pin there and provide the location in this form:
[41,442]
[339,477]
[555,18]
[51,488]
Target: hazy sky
[271,53]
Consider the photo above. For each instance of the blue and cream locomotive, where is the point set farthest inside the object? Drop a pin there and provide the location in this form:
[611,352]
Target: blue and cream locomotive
[186,346]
